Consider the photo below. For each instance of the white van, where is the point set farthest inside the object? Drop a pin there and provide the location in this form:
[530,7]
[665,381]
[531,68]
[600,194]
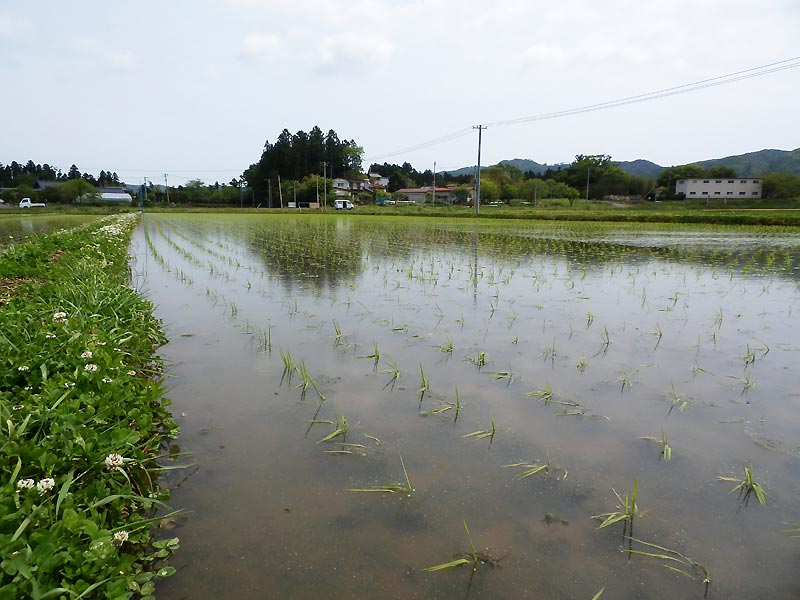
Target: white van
[343,205]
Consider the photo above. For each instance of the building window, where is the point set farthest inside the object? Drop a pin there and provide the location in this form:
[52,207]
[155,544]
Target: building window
[742,193]
[717,193]
[705,193]
[692,193]
[730,180]
[743,181]
[730,193]
[705,180]
[755,181]
[694,180]
[755,193]
[718,181]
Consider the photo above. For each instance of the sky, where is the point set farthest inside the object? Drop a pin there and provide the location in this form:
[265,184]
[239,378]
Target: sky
[193,89]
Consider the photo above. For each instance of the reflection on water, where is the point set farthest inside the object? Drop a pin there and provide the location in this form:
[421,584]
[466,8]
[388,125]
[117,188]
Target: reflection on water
[16,229]
[581,343]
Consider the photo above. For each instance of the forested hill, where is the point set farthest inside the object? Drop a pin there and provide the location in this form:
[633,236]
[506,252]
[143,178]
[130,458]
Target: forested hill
[752,164]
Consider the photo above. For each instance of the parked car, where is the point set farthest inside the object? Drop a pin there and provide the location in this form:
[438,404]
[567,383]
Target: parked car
[343,205]
[26,203]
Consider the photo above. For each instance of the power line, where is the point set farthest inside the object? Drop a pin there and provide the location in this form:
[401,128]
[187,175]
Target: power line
[774,67]
[672,91]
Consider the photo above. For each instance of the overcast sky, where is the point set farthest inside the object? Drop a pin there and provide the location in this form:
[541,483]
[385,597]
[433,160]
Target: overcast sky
[195,88]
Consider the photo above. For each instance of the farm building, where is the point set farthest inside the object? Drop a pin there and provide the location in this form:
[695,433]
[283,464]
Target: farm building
[723,188]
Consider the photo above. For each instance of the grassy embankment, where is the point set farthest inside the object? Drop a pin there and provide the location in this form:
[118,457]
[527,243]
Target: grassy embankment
[83,418]
[742,212]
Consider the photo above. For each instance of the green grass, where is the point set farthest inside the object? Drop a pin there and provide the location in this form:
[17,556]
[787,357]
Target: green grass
[82,401]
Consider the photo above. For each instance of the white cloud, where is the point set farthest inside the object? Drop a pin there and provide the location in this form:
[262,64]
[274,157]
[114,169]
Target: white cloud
[12,28]
[545,53]
[119,59]
[349,49]
[262,47]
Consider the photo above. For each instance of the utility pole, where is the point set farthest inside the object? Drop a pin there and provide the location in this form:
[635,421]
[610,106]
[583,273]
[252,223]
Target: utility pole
[269,197]
[434,183]
[325,185]
[480,129]
[166,187]
[280,190]
[588,170]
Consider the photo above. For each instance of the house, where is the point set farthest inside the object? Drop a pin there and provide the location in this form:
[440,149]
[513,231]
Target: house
[378,180]
[425,194]
[723,188]
[349,188]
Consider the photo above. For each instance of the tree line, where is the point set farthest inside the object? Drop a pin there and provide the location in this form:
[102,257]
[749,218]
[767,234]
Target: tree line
[299,160]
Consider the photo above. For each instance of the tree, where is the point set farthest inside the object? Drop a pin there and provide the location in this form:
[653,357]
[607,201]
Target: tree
[398,181]
[722,172]
[604,176]
[668,177]
[77,190]
[781,185]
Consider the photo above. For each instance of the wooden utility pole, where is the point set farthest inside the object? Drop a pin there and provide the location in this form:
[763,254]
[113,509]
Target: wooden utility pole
[480,129]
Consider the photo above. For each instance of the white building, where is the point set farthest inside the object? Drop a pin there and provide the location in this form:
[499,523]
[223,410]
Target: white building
[721,188]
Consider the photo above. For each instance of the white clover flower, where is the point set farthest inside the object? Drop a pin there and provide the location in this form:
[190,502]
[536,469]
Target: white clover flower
[120,538]
[87,354]
[101,343]
[60,317]
[28,388]
[107,380]
[115,461]
[131,372]
[45,485]
[90,367]
[23,368]
[50,336]
[25,484]
[69,384]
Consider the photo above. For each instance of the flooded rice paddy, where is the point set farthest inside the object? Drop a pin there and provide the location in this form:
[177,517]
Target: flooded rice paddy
[15,229]
[354,390]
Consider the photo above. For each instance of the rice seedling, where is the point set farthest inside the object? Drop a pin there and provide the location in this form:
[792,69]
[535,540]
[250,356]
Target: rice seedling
[749,356]
[473,557]
[544,395]
[599,593]
[339,429]
[549,353]
[589,319]
[627,509]
[289,366]
[672,560]
[605,337]
[530,468]
[424,384]
[624,381]
[499,375]
[582,364]
[681,403]
[666,449]
[747,383]
[794,531]
[394,371]
[658,334]
[337,336]
[265,342]
[747,486]
[306,382]
[447,346]
[483,433]
[390,488]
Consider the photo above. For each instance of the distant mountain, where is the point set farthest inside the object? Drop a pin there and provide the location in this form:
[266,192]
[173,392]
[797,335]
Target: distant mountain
[755,164]
[530,166]
[640,167]
[752,164]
